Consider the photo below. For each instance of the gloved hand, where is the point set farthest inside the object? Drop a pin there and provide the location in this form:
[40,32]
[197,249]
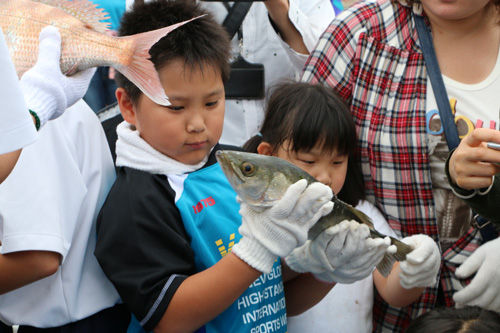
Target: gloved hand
[484,289]
[275,231]
[342,253]
[47,91]
[361,259]
[313,255]
[422,265]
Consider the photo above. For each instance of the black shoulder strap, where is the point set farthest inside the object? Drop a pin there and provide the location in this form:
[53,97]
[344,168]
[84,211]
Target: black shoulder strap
[444,108]
[235,17]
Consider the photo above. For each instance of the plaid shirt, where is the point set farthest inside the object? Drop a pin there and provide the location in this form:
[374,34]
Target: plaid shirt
[371,55]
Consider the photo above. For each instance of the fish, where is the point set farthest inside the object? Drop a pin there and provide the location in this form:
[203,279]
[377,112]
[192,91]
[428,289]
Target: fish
[261,180]
[86,41]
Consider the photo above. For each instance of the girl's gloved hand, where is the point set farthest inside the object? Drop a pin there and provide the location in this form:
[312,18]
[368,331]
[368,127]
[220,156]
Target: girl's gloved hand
[421,267]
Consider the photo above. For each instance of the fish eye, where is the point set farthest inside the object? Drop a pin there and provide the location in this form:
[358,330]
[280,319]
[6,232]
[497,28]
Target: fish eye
[247,168]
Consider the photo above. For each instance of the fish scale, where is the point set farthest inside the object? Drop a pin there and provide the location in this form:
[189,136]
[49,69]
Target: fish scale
[85,43]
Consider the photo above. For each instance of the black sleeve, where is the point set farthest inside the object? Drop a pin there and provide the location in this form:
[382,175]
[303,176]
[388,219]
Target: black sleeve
[142,245]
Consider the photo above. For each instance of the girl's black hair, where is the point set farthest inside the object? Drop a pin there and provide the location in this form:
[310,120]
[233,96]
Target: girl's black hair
[470,319]
[306,115]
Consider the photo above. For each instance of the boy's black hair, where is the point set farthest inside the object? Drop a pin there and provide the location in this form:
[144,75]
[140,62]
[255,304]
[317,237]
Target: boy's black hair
[470,319]
[199,43]
[306,115]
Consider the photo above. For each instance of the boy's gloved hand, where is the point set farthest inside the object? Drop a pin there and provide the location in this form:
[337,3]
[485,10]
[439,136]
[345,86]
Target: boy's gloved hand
[275,231]
[342,253]
[422,265]
[484,289]
[363,260]
[313,255]
[47,91]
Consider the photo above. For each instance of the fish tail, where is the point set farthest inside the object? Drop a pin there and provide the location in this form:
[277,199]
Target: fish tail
[385,266]
[141,71]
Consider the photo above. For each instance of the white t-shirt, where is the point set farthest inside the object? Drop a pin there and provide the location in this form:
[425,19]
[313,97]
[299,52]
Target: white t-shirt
[261,44]
[16,125]
[474,106]
[348,307]
[50,202]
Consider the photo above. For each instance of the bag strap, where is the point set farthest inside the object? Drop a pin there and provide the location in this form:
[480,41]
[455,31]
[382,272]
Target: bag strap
[486,228]
[444,108]
[235,17]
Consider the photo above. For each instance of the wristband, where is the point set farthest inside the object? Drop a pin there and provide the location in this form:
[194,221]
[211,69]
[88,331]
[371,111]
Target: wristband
[37,120]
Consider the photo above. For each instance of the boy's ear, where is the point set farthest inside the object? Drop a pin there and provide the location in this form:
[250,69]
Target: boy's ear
[265,148]
[126,105]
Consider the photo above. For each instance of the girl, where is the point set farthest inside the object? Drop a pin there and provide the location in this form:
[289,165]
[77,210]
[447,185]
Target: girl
[311,127]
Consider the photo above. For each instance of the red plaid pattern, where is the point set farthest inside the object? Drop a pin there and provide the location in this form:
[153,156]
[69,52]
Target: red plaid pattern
[371,56]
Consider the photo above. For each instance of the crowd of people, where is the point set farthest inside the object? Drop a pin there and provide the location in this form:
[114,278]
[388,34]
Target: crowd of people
[152,237]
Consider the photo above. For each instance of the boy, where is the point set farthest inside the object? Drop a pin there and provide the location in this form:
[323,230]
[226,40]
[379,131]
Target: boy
[169,232]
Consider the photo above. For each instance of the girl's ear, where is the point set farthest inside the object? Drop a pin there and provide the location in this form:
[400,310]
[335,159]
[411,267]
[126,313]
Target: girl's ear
[265,148]
[126,105]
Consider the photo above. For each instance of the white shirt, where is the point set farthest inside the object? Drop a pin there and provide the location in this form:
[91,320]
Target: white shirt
[50,202]
[261,44]
[16,125]
[348,307]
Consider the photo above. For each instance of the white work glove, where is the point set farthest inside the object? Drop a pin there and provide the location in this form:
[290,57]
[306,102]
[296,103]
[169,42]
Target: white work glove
[313,256]
[343,253]
[47,91]
[484,289]
[275,231]
[422,265]
[362,258]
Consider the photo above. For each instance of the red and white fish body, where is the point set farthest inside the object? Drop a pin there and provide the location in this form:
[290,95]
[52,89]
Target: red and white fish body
[85,43]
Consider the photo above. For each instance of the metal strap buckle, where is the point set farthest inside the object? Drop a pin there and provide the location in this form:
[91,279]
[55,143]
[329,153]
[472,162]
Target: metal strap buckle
[477,222]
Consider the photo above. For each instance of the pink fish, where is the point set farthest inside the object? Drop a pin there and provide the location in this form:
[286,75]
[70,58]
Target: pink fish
[85,43]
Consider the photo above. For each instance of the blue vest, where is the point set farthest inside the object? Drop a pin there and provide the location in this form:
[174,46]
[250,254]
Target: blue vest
[209,211]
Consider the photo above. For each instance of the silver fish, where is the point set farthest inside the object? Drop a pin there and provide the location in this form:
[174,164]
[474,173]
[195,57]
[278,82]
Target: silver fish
[261,180]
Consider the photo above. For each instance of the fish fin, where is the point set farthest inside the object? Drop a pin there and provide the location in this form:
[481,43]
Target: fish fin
[141,71]
[84,10]
[385,266]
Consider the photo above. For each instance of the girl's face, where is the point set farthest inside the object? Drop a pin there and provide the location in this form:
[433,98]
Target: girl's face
[328,168]
[455,10]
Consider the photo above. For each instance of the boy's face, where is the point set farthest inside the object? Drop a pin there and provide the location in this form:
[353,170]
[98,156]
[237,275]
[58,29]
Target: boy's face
[189,128]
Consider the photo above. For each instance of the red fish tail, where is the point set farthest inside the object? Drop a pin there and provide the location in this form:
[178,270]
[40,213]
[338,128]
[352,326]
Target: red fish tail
[141,70]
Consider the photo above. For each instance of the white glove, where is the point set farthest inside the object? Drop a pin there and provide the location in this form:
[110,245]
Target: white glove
[47,91]
[275,231]
[313,255]
[342,253]
[422,265]
[362,258]
[484,289]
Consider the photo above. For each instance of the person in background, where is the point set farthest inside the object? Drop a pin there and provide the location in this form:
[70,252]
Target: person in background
[19,124]
[473,170]
[372,56]
[101,92]
[16,128]
[322,142]
[50,279]
[470,319]
[278,34]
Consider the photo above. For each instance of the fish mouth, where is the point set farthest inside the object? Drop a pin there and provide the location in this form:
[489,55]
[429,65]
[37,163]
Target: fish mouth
[233,174]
